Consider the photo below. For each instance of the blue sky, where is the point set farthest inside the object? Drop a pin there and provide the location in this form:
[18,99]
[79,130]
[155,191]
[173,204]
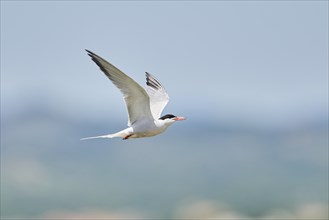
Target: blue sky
[253,61]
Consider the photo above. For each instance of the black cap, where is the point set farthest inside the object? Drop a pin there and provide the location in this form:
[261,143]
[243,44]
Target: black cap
[167,116]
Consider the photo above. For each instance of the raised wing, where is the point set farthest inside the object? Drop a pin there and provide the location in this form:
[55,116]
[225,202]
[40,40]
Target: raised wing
[136,98]
[158,95]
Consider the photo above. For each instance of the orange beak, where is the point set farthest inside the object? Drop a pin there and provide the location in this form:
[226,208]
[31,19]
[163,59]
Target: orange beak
[179,118]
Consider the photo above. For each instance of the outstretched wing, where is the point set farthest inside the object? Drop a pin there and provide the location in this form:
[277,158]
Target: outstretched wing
[158,95]
[136,98]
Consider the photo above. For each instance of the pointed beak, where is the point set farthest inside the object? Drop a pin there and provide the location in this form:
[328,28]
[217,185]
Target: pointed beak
[179,118]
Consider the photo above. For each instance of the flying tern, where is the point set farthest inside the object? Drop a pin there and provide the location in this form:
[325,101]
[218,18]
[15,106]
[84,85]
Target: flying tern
[144,106]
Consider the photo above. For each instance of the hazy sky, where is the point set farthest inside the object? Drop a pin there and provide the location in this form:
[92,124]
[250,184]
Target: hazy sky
[240,60]
[234,68]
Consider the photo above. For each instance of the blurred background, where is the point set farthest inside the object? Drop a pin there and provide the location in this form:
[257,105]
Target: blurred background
[251,76]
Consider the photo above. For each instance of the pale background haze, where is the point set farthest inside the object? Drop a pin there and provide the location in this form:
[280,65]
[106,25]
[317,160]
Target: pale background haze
[250,76]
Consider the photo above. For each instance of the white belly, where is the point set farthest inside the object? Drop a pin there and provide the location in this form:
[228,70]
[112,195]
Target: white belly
[147,130]
[149,133]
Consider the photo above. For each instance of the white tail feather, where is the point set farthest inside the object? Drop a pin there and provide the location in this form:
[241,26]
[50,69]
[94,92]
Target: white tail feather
[103,136]
[122,134]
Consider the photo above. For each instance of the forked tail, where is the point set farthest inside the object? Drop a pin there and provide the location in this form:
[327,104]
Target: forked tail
[102,136]
[125,134]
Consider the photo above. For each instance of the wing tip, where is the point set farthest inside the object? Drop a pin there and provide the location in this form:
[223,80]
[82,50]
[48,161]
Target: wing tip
[91,54]
[152,81]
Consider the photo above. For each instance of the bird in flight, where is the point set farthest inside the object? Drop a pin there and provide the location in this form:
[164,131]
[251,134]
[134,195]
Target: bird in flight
[144,106]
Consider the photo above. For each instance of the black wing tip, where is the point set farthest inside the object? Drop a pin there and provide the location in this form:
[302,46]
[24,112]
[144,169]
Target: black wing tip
[152,85]
[95,58]
[91,54]
[149,76]
[152,81]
